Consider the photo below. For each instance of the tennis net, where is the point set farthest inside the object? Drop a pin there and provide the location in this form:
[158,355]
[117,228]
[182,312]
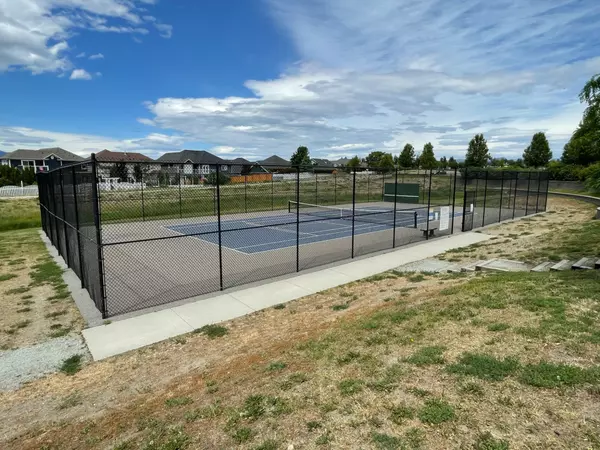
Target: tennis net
[403,218]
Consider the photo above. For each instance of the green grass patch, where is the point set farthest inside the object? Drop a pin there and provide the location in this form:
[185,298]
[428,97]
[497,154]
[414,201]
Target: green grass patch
[485,367]
[340,307]
[276,366]
[549,375]
[427,356]
[399,414]
[416,278]
[436,411]
[212,331]
[351,386]
[498,326]
[19,214]
[486,441]
[178,401]
[8,276]
[71,365]
[19,290]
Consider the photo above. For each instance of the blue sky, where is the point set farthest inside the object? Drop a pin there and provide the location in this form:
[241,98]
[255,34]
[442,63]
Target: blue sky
[256,77]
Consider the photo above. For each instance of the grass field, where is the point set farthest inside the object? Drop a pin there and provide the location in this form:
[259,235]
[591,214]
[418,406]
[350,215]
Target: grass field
[413,361]
[17,214]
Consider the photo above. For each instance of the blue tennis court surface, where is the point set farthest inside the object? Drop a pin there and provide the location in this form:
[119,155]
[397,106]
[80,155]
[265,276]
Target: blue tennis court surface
[260,234]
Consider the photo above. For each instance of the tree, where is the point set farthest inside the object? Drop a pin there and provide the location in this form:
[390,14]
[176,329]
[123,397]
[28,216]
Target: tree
[373,159]
[478,154]
[211,179]
[407,157]
[538,154]
[301,157]
[386,163]
[139,171]
[584,146]
[443,162]
[499,162]
[452,163]
[427,158]
[119,170]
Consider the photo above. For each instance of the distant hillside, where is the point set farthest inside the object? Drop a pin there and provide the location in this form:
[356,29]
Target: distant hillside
[2,153]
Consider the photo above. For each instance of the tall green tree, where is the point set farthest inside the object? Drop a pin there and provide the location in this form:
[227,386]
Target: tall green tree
[28,175]
[407,157]
[427,158]
[386,163]
[478,154]
[538,154]
[373,159]
[452,163]
[443,162]
[584,146]
[301,157]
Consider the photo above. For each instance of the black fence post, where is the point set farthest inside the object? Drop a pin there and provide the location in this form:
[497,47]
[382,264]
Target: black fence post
[465,175]
[453,201]
[272,193]
[79,247]
[298,219]
[56,218]
[218,198]
[527,198]
[97,224]
[368,184]
[316,189]
[245,193]
[383,187]
[395,204]
[485,189]
[142,188]
[353,205]
[180,201]
[515,197]
[64,218]
[501,196]
[429,202]
[537,199]
[335,189]
[546,193]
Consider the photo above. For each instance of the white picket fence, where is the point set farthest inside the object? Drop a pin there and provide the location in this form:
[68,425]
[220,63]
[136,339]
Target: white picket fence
[18,191]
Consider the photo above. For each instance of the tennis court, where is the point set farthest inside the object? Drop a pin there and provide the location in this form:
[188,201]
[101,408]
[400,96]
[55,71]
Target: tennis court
[317,223]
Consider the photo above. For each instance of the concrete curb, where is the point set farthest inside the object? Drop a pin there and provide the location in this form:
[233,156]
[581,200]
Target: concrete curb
[585,198]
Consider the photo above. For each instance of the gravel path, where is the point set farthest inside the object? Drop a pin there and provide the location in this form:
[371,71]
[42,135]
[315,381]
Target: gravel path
[26,364]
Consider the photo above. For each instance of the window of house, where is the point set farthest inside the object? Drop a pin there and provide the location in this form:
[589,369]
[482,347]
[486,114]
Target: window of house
[205,169]
[5,162]
[28,163]
[224,168]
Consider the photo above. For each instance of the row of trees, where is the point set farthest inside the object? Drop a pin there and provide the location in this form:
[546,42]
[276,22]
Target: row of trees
[11,176]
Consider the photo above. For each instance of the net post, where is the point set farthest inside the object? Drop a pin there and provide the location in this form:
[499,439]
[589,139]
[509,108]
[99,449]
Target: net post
[76,210]
[98,224]
[487,172]
[453,201]
[353,205]
[298,218]
[429,202]
[501,195]
[527,198]
[395,204]
[218,198]
[515,197]
[464,197]
[64,217]
[142,188]
[180,202]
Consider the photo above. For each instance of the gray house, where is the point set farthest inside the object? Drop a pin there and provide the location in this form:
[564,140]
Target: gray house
[194,162]
[41,160]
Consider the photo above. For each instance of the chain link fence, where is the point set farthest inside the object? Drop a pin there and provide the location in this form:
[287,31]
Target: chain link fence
[140,235]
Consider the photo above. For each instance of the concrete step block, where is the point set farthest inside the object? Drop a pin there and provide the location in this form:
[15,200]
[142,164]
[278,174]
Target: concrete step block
[543,267]
[584,264]
[564,264]
[597,265]
[503,265]
[473,266]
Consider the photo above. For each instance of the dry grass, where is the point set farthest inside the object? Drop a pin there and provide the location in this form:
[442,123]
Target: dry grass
[380,374]
[34,293]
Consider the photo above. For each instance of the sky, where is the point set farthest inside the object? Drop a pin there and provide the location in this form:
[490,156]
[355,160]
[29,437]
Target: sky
[254,78]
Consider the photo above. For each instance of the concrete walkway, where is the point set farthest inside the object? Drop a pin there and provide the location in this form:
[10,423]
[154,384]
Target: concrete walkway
[135,332]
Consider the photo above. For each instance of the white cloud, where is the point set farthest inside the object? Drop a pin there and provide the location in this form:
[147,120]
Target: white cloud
[145,121]
[164,30]
[80,74]
[97,56]
[368,81]
[35,33]
[84,144]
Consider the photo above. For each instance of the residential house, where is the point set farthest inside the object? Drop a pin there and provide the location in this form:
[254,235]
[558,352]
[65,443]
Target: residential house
[194,162]
[273,163]
[239,166]
[41,160]
[131,161]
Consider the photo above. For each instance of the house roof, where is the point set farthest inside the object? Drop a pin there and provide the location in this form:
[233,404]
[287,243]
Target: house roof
[42,153]
[195,156]
[240,161]
[275,161]
[321,162]
[109,156]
